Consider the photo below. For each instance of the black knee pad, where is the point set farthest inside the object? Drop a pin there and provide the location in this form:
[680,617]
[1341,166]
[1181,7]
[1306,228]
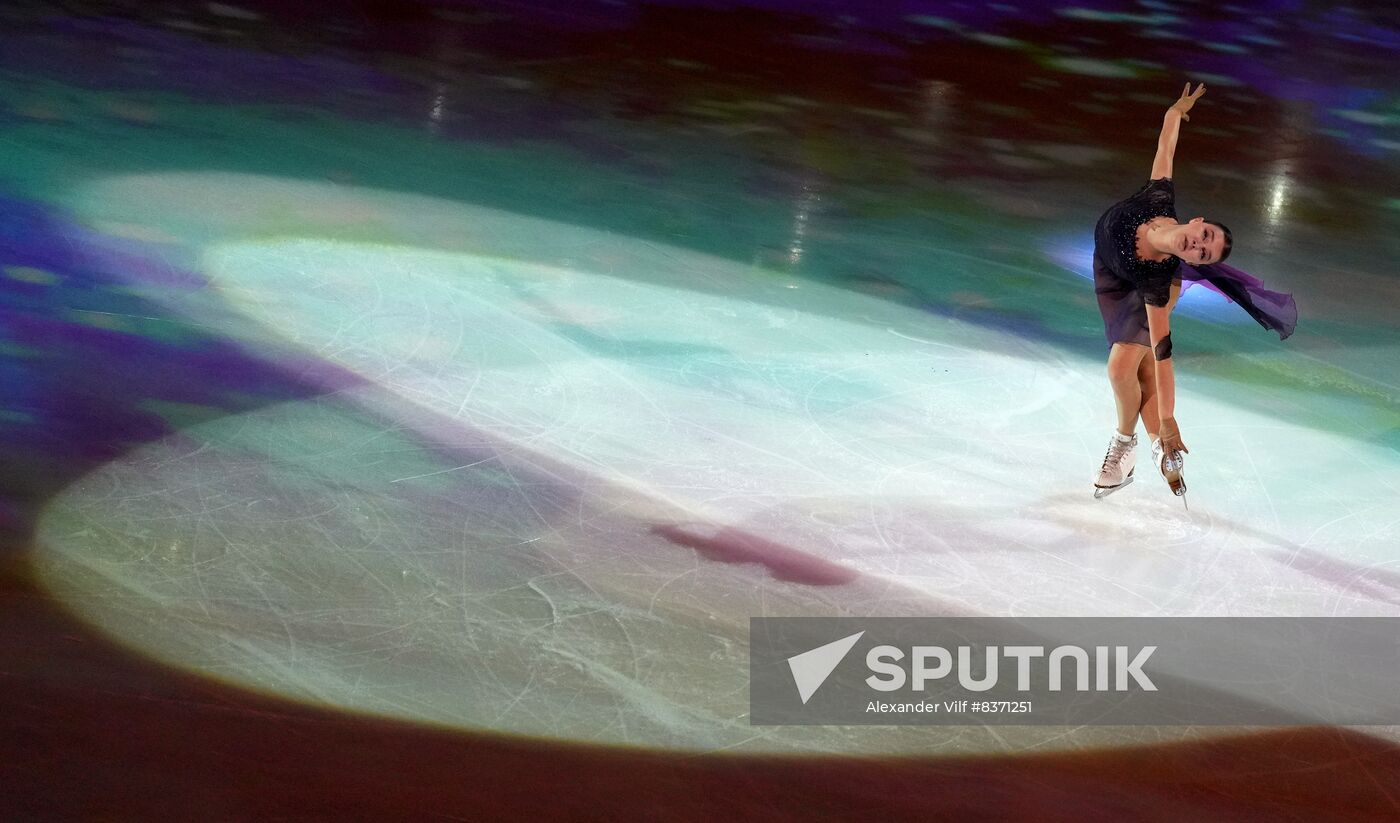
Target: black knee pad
[1163,349]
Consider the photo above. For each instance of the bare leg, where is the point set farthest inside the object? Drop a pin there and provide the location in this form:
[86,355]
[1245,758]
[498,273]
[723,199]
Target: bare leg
[1147,388]
[1124,363]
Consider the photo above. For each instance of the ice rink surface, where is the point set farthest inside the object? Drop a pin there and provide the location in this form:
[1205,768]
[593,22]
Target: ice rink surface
[485,367]
[568,466]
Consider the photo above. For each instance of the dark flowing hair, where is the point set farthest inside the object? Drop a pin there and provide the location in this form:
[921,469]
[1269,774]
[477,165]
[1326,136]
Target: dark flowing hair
[1229,240]
[1273,310]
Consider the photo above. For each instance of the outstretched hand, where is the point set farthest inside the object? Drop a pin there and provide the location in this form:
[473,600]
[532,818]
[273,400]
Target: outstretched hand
[1171,437]
[1188,99]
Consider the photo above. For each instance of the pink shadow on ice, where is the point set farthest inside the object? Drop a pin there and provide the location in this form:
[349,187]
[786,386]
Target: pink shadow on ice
[785,563]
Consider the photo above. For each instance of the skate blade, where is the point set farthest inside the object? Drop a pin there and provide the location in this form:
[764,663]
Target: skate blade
[1100,492]
[1171,472]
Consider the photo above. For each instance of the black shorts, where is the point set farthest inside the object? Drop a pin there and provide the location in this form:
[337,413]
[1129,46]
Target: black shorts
[1122,306]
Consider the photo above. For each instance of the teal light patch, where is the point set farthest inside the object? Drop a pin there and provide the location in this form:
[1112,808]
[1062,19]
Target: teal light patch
[1216,79]
[165,330]
[180,415]
[1091,67]
[1226,48]
[14,350]
[1369,118]
[29,274]
[935,22]
[1156,19]
[996,40]
[137,231]
[102,320]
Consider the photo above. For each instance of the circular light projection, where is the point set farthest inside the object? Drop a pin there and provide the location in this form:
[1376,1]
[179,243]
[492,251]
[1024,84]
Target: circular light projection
[580,462]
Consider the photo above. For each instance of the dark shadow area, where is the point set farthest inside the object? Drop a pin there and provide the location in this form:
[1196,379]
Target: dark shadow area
[92,371]
[95,732]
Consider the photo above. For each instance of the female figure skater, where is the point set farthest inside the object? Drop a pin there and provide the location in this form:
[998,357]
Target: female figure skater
[1139,249]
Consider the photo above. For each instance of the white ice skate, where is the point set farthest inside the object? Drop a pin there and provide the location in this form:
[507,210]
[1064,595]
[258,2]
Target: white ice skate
[1171,466]
[1117,469]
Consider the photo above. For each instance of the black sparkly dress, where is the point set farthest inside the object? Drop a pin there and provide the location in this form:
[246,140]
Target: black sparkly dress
[1126,285]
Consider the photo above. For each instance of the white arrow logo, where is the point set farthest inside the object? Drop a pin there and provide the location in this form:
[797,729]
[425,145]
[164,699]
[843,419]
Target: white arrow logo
[811,669]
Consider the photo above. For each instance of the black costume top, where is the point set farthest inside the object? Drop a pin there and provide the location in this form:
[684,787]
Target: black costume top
[1125,284]
[1115,240]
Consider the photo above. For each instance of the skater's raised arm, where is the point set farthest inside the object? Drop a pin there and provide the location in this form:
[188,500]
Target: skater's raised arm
[1171,126]
[1160,330]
